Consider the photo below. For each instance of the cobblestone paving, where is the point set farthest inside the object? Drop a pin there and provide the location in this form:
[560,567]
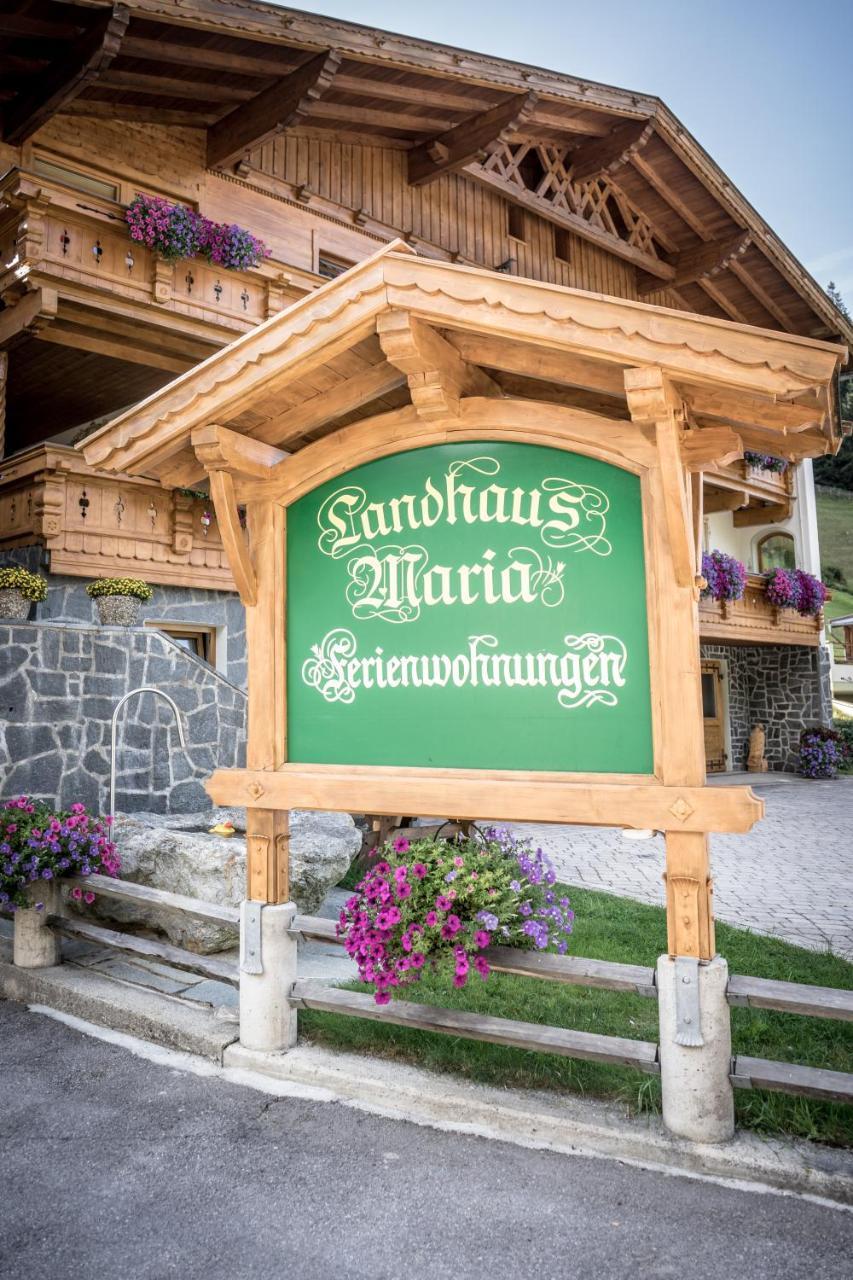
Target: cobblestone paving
[790,877]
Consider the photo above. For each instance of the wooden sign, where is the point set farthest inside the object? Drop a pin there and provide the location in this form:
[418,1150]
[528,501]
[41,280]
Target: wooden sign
[470,605]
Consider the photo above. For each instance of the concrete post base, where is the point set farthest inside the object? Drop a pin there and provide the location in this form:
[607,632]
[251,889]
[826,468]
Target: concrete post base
[698,1100]
[267,1020]
[35,945]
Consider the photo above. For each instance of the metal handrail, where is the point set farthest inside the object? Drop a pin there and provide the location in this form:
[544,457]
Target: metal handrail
[158,693]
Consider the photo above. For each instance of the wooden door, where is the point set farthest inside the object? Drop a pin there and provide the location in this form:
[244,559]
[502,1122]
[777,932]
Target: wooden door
[713,712]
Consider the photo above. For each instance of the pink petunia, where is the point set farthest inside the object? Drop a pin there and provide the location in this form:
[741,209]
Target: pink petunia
[481,938]
[401,845]
[76,893]
[431,919]
[419,870]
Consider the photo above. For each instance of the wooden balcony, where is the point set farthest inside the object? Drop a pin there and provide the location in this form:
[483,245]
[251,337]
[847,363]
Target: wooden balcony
[754,620]
[71,277]
[753,495]
[95,524]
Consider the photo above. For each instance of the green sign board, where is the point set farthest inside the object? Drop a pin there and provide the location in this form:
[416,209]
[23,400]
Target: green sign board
[471,606]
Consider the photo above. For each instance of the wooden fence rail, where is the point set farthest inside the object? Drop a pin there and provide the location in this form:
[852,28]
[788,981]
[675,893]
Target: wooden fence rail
[755,993]
[477,1026]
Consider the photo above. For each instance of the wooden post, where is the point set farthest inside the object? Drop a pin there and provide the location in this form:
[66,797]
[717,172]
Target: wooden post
[4,374]
[680,747]
[267,834]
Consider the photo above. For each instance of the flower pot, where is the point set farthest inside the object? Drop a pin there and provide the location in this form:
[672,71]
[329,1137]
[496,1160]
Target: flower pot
[118,611]
[13,604]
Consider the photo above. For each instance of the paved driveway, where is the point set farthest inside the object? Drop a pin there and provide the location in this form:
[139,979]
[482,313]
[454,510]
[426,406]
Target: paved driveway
[791,876]
[118,1169]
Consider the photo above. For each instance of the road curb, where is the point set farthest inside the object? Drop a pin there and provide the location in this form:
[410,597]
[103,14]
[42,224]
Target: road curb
[560,1123]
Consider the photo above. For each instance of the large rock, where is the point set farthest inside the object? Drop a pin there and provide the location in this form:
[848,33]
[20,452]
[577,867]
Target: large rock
[176,853]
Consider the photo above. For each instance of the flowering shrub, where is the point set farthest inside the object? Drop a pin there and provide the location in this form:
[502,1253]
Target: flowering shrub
[442,903]
[766,462]
[37,844]
[32,586]
[725,576]
[175,232]
[120,587]
[796,589]
[823,752]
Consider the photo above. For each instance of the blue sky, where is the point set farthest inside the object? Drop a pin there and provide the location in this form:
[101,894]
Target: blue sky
[766,88]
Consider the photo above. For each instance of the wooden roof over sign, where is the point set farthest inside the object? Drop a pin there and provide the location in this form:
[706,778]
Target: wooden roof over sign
[613,166]
[408,336]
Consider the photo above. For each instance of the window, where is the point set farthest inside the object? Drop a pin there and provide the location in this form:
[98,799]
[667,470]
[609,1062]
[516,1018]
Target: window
[198,640]
[561,245]
[776,551]
[330,266]
[73,178]
[515,222]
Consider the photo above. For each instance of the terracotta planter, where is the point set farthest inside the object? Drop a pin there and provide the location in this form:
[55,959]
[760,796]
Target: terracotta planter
[118,611]
[13,604]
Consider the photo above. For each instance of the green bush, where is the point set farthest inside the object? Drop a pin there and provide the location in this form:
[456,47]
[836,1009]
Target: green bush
[120,587]
[32,586]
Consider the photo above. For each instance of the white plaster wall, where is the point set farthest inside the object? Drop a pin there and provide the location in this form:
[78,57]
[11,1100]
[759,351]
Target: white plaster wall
[721,534]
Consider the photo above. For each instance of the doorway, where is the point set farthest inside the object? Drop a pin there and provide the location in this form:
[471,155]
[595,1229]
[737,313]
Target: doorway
[714,716]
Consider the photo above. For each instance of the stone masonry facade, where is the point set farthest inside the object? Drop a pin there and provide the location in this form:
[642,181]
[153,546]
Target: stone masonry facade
[784,687]
[59,685]
[67,602]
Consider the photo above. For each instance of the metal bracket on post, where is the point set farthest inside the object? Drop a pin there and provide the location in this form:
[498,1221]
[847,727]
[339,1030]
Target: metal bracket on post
[688,1024]
[251,958]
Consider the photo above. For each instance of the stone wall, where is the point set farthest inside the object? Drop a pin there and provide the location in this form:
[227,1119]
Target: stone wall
[67,602]
[59,684]
[784,687]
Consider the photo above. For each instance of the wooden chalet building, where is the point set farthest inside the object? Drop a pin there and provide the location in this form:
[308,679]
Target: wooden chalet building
[330,140]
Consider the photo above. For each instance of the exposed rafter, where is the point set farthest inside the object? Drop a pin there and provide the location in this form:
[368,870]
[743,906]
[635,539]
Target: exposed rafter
[604,157]
[437,375]
[468,141]
[281,106]
[703,261]
[50,90]
[565,368]
[293,424]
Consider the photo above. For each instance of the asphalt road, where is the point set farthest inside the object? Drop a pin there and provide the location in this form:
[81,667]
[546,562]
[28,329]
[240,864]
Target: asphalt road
[114,1168]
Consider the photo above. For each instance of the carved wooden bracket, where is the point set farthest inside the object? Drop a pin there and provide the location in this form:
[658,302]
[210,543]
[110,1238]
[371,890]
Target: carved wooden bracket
[468,141]
[437,375]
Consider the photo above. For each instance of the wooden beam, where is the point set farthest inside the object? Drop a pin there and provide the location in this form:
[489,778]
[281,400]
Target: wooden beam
[653,402]
[233,538]
[752,410]
[670,197]
[710,447]
[761,295]
[715,500]
[467,141]
[50,90]
[140,115]
[437,375]
[4,375]
[28,315]
[347,397]
[220,449]
[267,829]
[606,156]
[281,106]
[703,260]
[746,517]
[565,368]
[173,87]
[116,348]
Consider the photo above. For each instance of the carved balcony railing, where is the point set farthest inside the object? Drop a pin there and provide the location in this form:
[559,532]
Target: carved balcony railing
[754,620]
[753,495]
[96,524]
[77,246]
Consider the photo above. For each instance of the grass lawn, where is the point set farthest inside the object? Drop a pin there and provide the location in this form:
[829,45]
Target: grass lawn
[611,928]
